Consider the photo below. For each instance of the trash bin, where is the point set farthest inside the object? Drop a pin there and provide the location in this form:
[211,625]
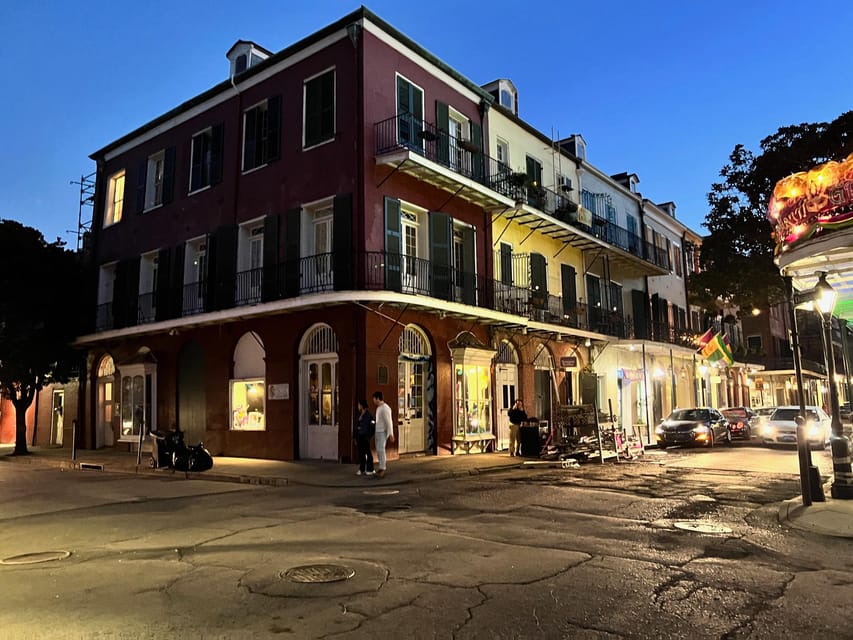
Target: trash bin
[528,436]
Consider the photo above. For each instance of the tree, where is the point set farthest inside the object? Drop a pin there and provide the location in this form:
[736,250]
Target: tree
[41,307]
[737,256]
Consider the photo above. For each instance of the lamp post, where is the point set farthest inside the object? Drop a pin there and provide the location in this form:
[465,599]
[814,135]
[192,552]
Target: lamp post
[810,485]
[842,484]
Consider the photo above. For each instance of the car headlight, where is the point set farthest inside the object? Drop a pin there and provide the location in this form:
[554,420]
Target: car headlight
[767,430]
[659,429]
[813,430]
[701,428]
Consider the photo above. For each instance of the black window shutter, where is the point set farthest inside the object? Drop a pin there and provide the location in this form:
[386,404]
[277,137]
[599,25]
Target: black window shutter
[478,168]
[313,98]
[538,281]
[506,264]
[164,285]
[327,112]
[469,275]
[292,263]
[271,287]
[120,295]
[534,171]
[176,282]
[141,176]
[342,263]
[273,141]
[225,260]
[570,291]
[440,253]
[132,292]
[217,139]
[393,245]
[169,175]
[442,122]
[197,153]
[250,139]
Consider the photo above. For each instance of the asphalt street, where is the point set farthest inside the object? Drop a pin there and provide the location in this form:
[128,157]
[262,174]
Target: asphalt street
[599,551]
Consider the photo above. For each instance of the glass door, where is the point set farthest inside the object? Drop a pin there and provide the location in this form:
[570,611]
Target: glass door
[410,405]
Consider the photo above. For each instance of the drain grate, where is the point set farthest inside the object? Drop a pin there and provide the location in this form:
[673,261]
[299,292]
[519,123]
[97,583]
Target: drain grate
[35,558]
[702,526]
[314,573]
[91,466]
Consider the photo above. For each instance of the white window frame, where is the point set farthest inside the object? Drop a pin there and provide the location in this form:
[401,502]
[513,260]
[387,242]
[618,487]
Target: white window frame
[114,209]
[502,151]
[334,107]
[154,180]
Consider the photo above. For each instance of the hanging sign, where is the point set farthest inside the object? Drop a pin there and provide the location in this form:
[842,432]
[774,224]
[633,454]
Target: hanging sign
[569,362]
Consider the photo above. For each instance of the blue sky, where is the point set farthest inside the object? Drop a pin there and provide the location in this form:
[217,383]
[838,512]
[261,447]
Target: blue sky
[662,89]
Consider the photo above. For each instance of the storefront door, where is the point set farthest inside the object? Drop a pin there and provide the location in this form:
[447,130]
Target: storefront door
[319,433]
[411,379]
[506,379]
[57,420]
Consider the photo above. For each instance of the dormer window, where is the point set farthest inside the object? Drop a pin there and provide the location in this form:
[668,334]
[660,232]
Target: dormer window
[245,55]
[633,183]
[504,93]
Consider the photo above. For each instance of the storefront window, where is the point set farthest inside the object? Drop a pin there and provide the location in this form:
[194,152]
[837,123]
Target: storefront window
[247,405]
[473,402]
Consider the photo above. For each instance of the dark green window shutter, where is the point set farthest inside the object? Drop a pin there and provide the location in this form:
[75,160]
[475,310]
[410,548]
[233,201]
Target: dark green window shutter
[270,287]
[120,294]
[393,245]
[342,240]
[217,140]
[593,293]
[440,254]
[273,139]
[165,286]
[442,123]
[640,309]
[176,282]
[292,263]
[506,264]
[538,281]
[478,160]
[534,171]
[469,275]
[141,176]
[169,175]
[568,276]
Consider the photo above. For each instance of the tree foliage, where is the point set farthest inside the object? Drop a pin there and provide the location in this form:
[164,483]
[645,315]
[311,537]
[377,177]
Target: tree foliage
[737,256]
[41,307]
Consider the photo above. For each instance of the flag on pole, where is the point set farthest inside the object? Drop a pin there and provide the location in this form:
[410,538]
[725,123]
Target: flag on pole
[718,349]
[704,339]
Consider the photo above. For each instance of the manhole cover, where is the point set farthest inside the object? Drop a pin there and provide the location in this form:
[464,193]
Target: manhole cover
[318,573]
[701,526]
[34,558]
[701,498]
[381,492]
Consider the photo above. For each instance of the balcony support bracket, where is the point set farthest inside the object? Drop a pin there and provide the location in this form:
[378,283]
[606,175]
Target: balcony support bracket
[392,172]
[458,191]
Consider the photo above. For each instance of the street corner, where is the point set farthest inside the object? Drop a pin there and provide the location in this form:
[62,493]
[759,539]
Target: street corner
[830,518]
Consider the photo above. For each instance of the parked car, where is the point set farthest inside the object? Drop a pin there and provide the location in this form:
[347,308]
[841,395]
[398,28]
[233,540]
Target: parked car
[740,421]
[781,428]
[701,425]
[762,415]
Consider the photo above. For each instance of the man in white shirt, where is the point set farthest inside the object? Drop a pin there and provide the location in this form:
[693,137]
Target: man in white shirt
[384,430]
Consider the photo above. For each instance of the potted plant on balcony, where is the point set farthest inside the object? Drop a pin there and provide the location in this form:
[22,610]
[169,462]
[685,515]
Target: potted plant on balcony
[469,145]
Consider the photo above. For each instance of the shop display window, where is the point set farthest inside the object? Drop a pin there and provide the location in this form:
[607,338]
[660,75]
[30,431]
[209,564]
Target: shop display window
[248,405]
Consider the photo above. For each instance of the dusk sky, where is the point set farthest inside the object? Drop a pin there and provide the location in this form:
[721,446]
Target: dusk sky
[661,89]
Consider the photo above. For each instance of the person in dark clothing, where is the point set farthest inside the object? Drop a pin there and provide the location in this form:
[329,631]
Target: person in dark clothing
[362,432]
[516,416]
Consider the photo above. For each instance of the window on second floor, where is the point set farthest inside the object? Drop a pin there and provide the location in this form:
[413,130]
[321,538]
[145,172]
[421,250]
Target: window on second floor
[206,159]
[502,149]
[676,258]
[319,116]
[262,133]
[115,199]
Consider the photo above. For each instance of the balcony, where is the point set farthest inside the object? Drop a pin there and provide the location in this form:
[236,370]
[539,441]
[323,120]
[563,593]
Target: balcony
[376,271]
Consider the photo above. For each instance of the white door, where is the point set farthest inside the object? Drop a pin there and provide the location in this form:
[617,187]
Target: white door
[57,418]
[319,432]
[506,379]
[411,380]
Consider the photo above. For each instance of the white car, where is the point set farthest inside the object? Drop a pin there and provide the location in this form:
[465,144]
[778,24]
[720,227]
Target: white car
[782,429]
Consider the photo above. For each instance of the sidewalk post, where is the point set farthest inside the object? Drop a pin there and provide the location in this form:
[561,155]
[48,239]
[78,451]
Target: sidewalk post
[74,439]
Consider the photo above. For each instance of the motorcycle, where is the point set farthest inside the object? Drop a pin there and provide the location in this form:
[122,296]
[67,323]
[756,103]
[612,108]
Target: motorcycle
[171,452]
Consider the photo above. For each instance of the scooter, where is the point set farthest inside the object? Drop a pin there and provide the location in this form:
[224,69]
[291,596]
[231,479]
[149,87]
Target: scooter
[171,452]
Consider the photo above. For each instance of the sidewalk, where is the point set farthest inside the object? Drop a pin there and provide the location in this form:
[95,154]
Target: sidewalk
[272,472]
[832,518]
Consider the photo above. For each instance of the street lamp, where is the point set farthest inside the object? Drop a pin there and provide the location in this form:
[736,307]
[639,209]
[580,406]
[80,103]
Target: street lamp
[842,483]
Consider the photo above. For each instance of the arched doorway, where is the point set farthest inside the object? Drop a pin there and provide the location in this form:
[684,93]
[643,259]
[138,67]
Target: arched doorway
[506,389]
[318,394]
[192,403]
[105,387]
[413,368]
[247,397]
[543,369]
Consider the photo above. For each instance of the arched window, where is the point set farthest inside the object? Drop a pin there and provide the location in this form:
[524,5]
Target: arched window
[506,353]
[248,397]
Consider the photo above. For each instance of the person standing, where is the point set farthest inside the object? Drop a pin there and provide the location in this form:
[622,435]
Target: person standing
[516,416]
[362,432]
[384,430]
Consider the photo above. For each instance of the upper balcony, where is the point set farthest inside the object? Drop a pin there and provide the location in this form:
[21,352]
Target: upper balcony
[418,148]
